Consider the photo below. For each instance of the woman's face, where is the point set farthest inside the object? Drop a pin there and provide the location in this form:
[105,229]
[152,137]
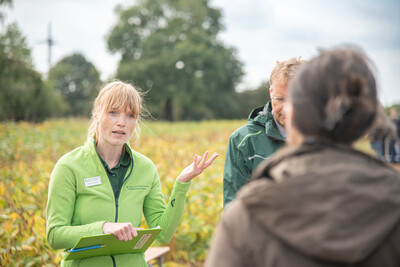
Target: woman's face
[116,127]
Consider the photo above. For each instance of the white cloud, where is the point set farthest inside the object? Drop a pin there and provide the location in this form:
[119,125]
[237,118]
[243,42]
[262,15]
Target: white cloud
[299,28]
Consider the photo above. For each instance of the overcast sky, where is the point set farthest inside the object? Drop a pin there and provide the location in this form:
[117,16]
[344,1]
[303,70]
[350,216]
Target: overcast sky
[262,31]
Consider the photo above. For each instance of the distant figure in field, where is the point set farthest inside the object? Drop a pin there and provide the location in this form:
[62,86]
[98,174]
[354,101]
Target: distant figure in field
[397,123]
[262,136]
[106,187]
[394,142]
[318,202]
[382,130]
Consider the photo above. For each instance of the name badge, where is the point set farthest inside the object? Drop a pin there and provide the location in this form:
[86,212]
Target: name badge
[92,181]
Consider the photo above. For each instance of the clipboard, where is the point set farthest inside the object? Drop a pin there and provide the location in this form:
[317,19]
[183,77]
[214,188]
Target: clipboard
[106,245]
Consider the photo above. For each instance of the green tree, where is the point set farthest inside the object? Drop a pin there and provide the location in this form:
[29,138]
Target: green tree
[252,98]
[78,81]
[170,49]
[23,94]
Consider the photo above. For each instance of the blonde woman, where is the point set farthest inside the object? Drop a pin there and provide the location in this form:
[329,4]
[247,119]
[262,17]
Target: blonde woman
[104,187]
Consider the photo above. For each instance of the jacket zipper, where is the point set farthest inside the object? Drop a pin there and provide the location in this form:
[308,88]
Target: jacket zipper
[116,206]
[117,197]
[116,200]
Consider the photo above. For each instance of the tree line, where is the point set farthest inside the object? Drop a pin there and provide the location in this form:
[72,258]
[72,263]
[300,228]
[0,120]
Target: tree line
[169,49]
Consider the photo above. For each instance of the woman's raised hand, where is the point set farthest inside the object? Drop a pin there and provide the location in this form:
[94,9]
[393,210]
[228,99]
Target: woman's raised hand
[198,165]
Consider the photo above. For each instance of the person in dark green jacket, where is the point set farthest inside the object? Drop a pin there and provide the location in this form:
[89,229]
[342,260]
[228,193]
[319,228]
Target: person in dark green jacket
[262,136]
[105,187]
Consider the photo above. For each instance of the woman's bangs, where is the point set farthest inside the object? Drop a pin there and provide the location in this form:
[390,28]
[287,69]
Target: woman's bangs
[123,99]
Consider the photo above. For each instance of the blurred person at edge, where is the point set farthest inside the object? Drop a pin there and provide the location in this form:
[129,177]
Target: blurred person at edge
[394,141]
[263,134]
[104,186]
[381,133]
[318,202]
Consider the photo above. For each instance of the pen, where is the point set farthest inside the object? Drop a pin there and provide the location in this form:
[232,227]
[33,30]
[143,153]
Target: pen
[86,248]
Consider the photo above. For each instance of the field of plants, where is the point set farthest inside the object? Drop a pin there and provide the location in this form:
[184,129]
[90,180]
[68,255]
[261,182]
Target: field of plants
[28,153]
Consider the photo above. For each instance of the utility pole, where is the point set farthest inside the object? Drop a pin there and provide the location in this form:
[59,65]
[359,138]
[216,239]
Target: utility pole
[50,43]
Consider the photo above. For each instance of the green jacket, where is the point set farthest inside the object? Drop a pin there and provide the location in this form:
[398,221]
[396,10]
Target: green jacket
[76,209]
[248,146]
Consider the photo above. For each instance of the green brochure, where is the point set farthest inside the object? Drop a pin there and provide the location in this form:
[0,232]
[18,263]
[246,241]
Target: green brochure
[104,245]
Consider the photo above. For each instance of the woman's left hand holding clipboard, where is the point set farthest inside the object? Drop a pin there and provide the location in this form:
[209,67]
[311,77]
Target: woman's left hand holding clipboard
[123,231]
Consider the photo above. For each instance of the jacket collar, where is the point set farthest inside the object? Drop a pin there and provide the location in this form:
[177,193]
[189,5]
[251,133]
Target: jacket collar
[263,116]
[91,148]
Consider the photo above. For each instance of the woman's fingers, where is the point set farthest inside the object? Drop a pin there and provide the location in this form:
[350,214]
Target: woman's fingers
[203,160]
[123,231]
[198,165]
[129,232]
[195,160]
[211,160]
[132,232]
[121,235]
[204,164]
[125,236]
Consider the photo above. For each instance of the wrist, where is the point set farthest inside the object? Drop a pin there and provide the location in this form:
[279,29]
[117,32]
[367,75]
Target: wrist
[105,227]
[183,180]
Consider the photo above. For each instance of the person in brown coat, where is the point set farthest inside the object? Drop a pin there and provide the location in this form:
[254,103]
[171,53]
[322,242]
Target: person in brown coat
[318,202]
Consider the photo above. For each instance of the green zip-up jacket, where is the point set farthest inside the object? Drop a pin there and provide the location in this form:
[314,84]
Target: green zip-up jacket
[249,146]
[79,207]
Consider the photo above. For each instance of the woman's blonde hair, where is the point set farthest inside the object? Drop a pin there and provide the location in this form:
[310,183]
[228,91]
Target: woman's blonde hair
[115,95]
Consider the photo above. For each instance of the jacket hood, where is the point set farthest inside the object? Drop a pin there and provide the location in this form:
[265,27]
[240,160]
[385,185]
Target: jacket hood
[330,203]
[263,116]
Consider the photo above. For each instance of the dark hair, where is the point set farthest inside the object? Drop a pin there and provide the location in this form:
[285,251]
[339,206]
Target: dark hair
[334,95]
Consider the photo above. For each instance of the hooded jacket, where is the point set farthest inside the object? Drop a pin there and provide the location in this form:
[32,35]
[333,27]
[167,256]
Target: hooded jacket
[314,205]
[81,200]
[249,146]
